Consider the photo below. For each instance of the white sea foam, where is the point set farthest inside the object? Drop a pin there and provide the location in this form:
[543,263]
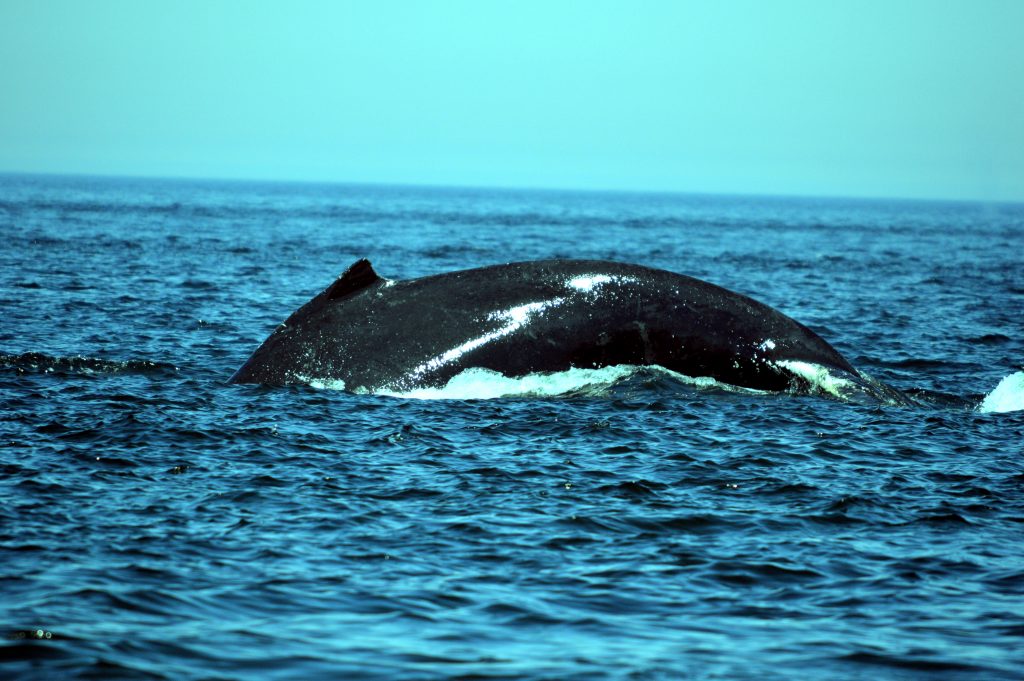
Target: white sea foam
[820,378]
[1007,396]
[483,384]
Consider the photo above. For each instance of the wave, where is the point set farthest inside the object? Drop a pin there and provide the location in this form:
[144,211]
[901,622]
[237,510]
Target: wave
[859,387]
[39,363]
[485,384]
[810,379]
[820,380]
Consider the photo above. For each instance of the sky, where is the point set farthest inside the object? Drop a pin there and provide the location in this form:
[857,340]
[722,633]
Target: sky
[900,98]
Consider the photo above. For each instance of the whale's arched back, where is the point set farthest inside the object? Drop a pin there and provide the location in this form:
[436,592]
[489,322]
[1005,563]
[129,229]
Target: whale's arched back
[537,316]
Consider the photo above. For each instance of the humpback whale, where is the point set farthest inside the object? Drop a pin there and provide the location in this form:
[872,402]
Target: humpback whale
[375,334]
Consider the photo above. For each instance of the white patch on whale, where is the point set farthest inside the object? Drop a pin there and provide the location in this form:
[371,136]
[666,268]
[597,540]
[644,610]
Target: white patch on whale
[587,282]
[514,319]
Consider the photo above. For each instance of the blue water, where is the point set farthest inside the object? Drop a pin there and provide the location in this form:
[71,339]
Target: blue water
[157,523]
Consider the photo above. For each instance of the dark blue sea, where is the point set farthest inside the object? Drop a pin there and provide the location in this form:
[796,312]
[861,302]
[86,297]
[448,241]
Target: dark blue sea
[157,522]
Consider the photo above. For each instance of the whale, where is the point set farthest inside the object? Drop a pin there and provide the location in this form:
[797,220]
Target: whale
[371,334]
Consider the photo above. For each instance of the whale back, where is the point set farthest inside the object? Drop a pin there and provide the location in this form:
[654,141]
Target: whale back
[522,318]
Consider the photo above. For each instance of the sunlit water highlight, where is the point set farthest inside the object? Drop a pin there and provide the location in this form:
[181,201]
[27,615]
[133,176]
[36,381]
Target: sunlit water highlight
[620,523]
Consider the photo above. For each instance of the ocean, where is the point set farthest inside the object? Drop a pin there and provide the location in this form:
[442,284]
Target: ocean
[158,522]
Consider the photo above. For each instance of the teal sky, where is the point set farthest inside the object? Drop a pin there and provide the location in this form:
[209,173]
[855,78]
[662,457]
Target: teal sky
[895,98]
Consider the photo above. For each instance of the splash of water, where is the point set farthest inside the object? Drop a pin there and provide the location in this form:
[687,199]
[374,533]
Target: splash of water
[1005,397]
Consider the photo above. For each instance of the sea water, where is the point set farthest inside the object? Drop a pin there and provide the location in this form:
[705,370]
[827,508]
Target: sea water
[158,523]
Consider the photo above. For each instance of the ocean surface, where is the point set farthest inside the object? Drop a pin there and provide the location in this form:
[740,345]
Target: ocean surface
[159,523]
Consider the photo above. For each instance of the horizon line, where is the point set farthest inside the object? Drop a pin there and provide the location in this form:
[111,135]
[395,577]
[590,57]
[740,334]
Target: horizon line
[509,188]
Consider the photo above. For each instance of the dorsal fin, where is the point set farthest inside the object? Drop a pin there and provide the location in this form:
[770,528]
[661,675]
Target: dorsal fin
[357,277]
